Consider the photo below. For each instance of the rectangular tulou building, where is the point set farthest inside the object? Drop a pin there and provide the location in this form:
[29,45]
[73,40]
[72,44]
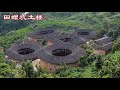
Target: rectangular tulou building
[103,45]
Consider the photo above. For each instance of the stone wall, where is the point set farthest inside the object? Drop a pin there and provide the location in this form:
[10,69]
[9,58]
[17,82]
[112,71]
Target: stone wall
[32,39]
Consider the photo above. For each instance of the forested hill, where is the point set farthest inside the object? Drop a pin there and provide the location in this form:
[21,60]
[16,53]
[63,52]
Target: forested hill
[94,20]
[106,23]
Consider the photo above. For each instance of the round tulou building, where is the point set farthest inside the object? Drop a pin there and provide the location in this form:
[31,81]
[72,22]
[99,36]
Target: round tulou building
[20,52]
[58,54]
[48,35]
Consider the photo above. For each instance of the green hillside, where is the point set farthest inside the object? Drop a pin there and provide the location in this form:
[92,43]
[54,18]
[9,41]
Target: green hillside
[103,22]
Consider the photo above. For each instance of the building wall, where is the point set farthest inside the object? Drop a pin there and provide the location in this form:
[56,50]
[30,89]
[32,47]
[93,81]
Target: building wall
[48,66]
[49,43]
[100,52]
[42,64]
[35,40]
[107,51]
[32,39]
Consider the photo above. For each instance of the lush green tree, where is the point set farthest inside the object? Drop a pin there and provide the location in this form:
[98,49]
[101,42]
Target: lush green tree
[98,64]
[46,75]
[91,58]
[2,57]
[110,67]
[83,61]
[69,72]
[28,68]
[6,71]
[101,33]
[113,33]
[116,45]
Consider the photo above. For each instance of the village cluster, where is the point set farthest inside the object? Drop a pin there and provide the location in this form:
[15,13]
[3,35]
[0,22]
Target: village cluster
[60,48]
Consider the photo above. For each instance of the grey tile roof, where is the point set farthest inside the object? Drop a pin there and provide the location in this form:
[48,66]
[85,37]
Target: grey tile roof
[46,33]
[85,33]
[68,38]
[104,47]
[104,43]
[103,40]
[107,46]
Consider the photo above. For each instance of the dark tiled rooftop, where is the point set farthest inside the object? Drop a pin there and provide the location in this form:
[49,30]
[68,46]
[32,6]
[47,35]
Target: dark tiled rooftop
[104,43]
[103,40]
[68,38]
[105,47]
[44,33]
[85,33]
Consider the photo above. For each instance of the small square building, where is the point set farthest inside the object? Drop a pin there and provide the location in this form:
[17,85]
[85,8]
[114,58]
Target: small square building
[103,45]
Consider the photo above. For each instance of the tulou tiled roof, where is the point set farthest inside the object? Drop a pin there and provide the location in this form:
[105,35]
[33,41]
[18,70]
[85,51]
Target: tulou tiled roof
[104,43]
[68,38]
[85,33]
[103,40]
[46,34]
